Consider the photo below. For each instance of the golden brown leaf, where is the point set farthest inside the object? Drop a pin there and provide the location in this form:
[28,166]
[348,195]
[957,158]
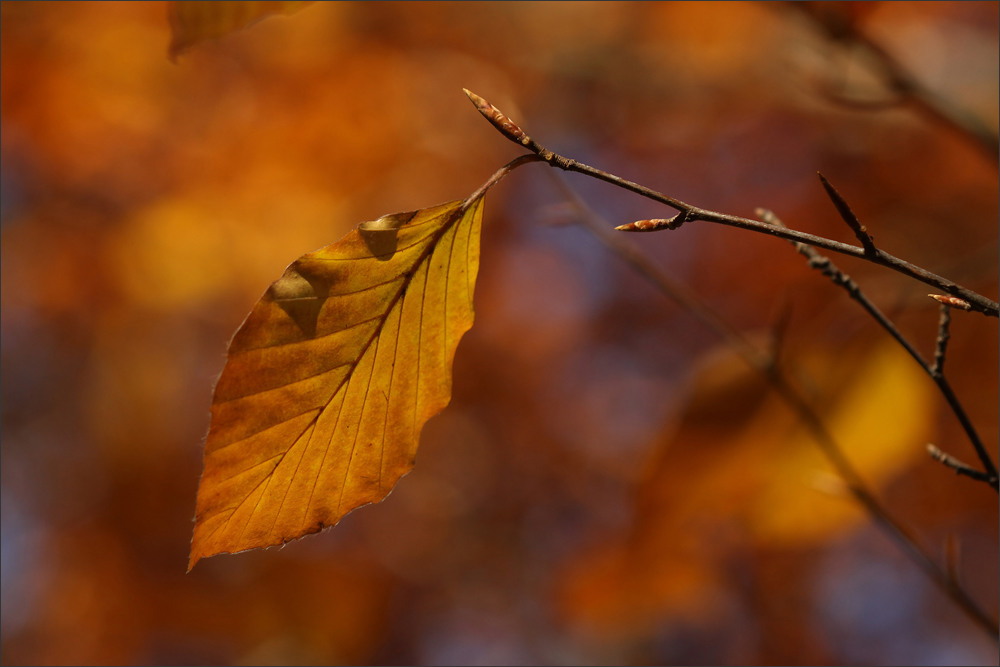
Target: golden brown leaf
[332,376]
[192,22]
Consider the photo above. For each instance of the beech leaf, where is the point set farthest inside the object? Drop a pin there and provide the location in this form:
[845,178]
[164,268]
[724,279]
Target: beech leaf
[332,376]
[192,22]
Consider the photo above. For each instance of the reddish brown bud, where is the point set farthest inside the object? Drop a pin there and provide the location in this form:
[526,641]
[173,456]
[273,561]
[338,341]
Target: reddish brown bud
[646,225]
[498,119]
[952,301]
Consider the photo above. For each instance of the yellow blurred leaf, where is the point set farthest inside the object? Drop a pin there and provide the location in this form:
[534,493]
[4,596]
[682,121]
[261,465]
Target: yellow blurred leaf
[332,376]
[193,22]
[168,255]
[739,470]
[882,424]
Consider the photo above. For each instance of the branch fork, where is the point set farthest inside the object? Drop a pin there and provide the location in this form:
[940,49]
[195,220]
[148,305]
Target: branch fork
[852,220]
[804,244]
[687,213]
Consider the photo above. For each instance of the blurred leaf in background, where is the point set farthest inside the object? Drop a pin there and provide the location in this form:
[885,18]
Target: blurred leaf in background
[770,485]
[193,22]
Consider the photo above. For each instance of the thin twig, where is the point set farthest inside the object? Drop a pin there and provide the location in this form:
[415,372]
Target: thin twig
[852,220]
[687,213]
[784,388]
[779,329]
[497,177]
[941,345]
[765,364]
[952,557]
[838,277]
[898,79]
[956,465]
[675,290]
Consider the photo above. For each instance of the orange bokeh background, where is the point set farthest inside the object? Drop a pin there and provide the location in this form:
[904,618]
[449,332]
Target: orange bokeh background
[609,485]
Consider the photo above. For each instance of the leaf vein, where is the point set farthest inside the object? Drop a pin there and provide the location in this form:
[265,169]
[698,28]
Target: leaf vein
[370,257]
[357,430]
[246,470]
[290,482]
[322,461]
[431,240]
[388,398]
[236,442]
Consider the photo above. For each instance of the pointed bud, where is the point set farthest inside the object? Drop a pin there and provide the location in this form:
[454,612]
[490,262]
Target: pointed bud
[498,119]
[646,225]
[952,301]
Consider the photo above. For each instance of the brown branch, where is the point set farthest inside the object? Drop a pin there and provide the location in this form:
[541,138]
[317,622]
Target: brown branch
[779,330]
[956,465]
[673,289]
[687,212]
[852,220]
[941,345]
[498,176]
[766,365]
[952,557]
[838,277]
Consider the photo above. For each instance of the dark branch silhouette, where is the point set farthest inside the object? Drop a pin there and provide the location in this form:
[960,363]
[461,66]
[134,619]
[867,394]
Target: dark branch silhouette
[764,362]
[767,365]
[689,213]
[936,372]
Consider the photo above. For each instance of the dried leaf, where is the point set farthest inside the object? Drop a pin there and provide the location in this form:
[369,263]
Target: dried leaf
[332,376]
[193,22]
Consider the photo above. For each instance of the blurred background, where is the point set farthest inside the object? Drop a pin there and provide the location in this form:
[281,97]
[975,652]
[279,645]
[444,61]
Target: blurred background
[609,484]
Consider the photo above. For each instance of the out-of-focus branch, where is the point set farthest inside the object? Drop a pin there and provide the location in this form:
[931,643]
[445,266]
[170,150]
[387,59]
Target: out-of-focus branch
[838,277]
[838,26]
[688,213]
[766,365]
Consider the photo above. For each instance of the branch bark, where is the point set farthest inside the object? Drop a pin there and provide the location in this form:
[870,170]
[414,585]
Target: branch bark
[763,362]
[689,213]
[766,365]
[935,371]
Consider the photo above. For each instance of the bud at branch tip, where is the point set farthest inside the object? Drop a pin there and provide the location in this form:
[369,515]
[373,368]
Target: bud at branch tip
[500,121]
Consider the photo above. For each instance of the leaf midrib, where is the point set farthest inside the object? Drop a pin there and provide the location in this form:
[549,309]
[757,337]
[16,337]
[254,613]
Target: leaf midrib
[456,215]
